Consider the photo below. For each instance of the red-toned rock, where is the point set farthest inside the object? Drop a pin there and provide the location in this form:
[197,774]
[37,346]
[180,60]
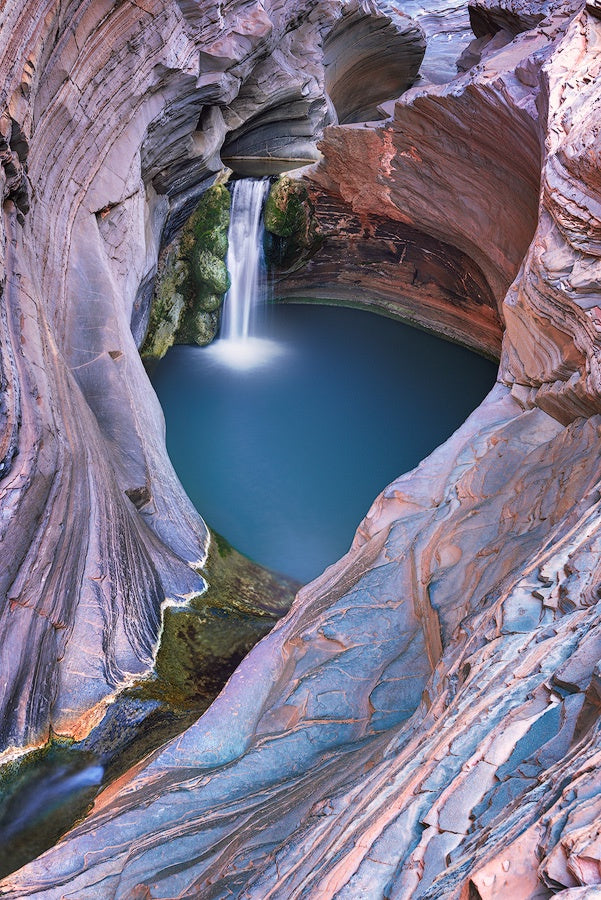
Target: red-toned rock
[425,721]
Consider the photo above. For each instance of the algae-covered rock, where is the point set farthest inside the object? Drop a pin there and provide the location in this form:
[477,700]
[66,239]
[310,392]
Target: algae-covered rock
[203,248]
[210,302]
[167,307]
[203,642]
[292,235]
[210,271]
[198,327]
[287,212]
[192,279]
[209,222]
[216,241]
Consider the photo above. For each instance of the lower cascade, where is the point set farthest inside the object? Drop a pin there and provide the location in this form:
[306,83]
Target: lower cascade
[241,344]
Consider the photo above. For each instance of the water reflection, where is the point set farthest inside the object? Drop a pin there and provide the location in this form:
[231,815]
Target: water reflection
[285,457]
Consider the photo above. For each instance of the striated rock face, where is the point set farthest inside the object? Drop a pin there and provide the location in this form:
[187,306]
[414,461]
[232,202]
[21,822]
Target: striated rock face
[437,214]
[395,269]
[371,55]
[113,117]
[425,721]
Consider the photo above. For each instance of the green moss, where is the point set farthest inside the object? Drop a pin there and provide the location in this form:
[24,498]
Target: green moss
[290,224]
[198,327]
[167,307]
[211,217]
[223,546]
[192,279]
[203,249]
[210,302]
[287,212]
[215,241]
[203,642]
[210,272]
[201,647]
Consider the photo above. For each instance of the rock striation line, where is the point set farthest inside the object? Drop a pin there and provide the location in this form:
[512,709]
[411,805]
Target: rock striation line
[425,720]
[112,120]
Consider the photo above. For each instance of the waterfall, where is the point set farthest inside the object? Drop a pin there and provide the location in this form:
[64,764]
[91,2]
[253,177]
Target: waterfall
[245,260]
[240,344]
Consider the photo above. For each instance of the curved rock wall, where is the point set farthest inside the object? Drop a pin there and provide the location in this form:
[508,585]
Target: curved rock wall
[113,118]
[424,722]
[394,269]
[371,55]
[562,269]
[437,214]
[86,570]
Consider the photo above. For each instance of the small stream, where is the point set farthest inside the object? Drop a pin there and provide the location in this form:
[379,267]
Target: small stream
[40,797]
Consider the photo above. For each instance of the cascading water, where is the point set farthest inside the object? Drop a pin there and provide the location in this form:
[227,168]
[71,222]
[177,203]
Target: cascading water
[245,261]
[241,343]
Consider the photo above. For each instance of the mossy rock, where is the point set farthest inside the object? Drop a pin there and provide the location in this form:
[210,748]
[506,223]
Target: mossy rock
[192,279]
[292,234]
[211,216]
[198,327]
[210,272]
[201,647]
[210,302]
[216,242]
[287,211]
[167,307]
[203,641]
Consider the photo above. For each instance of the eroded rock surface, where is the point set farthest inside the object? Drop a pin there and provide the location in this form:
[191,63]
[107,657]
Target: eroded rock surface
[371,54]
[113,120]
[425,721]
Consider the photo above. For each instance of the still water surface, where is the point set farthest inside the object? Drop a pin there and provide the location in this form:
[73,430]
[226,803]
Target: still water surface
[284,453]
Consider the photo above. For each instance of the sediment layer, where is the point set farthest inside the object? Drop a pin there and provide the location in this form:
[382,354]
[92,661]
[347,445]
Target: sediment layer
[425,721]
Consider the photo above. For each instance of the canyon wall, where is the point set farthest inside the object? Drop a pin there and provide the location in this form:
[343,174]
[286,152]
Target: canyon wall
[425,720]
[113,118]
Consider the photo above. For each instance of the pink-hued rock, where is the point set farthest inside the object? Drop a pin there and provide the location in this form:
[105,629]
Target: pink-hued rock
[112,119]
[425,720]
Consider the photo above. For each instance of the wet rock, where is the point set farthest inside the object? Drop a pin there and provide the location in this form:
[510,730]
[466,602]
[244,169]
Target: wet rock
[210,271]
[192,279]
[425,720]
[292,234]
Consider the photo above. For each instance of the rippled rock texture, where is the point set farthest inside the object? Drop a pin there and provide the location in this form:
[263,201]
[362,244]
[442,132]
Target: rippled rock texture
[425,721]
[113,118]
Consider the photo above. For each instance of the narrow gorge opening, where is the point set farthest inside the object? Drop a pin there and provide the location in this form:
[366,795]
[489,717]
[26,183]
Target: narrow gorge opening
[284,434]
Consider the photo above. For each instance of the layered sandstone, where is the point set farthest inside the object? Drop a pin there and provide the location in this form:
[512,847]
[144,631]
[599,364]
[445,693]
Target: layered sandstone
[425,721]
[113,119]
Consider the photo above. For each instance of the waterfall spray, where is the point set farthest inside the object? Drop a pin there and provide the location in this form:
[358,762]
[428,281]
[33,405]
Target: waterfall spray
[241,344]
[245,261]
